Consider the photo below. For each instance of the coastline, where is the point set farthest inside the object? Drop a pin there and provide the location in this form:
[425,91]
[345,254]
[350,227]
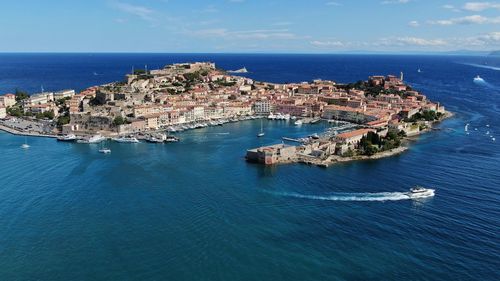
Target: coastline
[332,160]
[13,131]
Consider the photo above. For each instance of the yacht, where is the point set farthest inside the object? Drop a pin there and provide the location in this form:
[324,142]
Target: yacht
[171,139]
[126,139]
[153,139]
[69,137]
[93,139]
[271,116]
[420,192]
[298,122]
[105,150]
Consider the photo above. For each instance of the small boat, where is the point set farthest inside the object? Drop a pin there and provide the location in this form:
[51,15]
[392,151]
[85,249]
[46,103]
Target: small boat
[271,116]
[466,127]
[126,140]
[171,139]
[420,192]
[261,134]
[93,139]
[69,137]
[25,145]
[298,122]
[314,136]
[105,150]
[154,140]
[478,79]
[419,71]
[493,139]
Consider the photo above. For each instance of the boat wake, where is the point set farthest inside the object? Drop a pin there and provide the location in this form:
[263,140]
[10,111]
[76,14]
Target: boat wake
[482,66]
[379,196]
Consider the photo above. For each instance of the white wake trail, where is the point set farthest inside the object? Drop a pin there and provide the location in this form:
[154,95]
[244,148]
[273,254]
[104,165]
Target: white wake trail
[379,196]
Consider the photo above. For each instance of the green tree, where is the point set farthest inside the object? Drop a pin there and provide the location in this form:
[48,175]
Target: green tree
[119,121]
[63,120]
[21,95]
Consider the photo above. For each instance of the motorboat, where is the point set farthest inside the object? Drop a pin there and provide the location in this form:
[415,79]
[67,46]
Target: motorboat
[92,139]
[171,139]
[298,122]
[271,116]
[129,139]
[420,192]
[105,150]
[478,79]
[69,137]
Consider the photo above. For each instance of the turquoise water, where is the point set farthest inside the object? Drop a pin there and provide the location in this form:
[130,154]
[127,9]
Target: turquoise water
[195,210]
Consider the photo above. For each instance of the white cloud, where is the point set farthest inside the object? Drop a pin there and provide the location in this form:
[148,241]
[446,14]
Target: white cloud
[387,2]
[474,19]
[139,11]
[414,23]
[258,34]
[327,44]
[415,41]
[480,6]
[333,3]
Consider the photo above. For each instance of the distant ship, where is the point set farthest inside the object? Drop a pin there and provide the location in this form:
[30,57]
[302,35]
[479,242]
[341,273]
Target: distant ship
[241,70]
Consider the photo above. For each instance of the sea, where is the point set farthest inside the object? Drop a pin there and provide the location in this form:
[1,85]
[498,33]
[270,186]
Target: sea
[195,210]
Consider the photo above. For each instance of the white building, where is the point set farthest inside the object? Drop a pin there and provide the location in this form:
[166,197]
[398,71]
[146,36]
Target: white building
[64,94]
[7,100]
[3,112]
[263,107]
[37,99]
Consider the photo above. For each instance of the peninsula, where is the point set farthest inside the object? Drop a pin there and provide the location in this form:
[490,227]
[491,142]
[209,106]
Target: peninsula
[375,115]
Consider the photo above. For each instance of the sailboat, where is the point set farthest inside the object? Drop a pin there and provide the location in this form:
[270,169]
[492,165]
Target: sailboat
[261,134]
[25,145]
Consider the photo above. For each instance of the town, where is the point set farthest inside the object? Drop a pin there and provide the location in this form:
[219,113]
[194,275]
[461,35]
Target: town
[184,96]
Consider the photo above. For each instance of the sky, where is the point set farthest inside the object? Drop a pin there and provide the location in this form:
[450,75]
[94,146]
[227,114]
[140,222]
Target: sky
[248,26]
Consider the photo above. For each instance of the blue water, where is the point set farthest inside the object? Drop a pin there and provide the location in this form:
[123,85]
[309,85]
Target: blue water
[195,210]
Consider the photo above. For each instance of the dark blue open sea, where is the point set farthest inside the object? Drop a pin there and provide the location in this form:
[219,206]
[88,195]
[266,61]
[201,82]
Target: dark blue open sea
[196,210]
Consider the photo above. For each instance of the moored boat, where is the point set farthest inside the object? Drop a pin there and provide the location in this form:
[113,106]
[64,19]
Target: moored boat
[69,137]
[129,139]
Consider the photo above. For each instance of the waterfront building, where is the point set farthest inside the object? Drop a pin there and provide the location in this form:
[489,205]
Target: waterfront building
[272,154]
[353,137]
[3,112]
[64,94]
[37,99]
[7,100]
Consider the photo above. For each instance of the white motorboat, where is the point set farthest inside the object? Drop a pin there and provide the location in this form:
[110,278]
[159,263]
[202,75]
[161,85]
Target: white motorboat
[298,122]
[25,145]
[93,139]
[478,79]
[126,140]
[271,116]
[69,137]
[171,139]
[420,192]
[105,150]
